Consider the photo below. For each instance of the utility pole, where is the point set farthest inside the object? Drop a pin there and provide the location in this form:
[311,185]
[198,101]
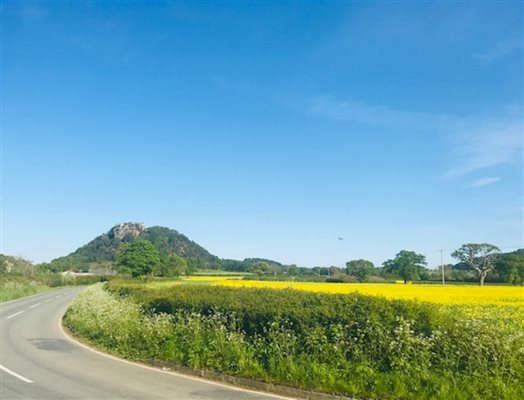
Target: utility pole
[442,265]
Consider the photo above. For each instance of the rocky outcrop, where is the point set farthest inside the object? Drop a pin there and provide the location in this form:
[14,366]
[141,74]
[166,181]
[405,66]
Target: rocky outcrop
[128,228]
[103,250]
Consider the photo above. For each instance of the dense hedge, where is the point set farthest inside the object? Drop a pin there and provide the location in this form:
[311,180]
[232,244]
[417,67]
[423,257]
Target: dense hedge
[253,308]
[350,344]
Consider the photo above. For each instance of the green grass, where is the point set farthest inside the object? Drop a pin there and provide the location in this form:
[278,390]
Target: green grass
[11,289]
[13,286]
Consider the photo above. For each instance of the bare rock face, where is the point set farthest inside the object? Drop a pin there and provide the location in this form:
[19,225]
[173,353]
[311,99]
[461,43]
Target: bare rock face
[132,228]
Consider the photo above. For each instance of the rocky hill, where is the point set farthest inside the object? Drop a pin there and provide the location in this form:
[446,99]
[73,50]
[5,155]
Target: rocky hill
[103,249]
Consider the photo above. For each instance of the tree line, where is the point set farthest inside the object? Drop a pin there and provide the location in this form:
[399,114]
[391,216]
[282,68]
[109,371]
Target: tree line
[482,262]
[474,259]
[142,258]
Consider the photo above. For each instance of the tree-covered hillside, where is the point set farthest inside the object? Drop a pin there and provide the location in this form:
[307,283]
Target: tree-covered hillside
[103,250]
[169,242]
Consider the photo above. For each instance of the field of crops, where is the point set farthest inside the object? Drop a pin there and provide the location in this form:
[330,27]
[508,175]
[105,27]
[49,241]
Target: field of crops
[443,345]
[500,304]
[440,294]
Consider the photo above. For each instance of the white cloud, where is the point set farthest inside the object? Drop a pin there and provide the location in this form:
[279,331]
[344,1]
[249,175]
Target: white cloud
[357,111]
[483,181]
[481,143]
[477,141]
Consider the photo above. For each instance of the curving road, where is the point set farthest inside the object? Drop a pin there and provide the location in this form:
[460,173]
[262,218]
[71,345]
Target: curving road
[37,361]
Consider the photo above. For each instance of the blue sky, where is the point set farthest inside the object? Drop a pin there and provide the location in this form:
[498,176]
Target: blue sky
[264,129]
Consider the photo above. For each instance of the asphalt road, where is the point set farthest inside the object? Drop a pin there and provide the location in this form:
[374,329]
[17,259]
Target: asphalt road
[37,361]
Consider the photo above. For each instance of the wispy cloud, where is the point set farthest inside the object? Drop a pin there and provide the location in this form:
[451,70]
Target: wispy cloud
[358,111]
[483,181]
[477,141]
[501,49]
[480,143]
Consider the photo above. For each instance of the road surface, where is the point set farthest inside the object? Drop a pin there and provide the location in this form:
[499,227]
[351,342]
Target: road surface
[37,361]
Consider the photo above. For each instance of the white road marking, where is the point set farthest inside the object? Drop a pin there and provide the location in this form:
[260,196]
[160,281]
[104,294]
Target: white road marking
[167,371]
[47,300]
[35,305]
[15,314]
[22,378]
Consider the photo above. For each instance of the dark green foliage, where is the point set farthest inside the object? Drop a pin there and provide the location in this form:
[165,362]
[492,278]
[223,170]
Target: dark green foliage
[262,268]
[406,264]
[255,307]
[254,265]
[102,248]
[510,267]
[105,248]
[172,266]
[350,344]
[169,242]
[360,269]
[139,258]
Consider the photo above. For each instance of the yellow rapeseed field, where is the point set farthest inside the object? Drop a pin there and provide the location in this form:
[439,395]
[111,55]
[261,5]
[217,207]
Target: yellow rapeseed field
[447,294]
[435,293]
[212,280]
[200,278]
[500,304]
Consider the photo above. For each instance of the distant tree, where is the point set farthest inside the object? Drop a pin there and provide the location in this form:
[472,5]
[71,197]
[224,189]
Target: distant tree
[510,268]
[233,265]
[173,266]
[317,270]
[406,264]
[479,256]
[139,258]
[293,270]
[360,269]
[334,270]
[261,268]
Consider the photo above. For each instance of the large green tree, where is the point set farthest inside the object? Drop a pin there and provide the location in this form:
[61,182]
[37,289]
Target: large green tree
[173,266]
[139,258]
[261,268]
[478,256]
[360,269]
[406,264]
[510,267]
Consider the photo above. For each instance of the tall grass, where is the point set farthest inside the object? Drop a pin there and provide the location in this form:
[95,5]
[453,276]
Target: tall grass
[15,288]
[348,344]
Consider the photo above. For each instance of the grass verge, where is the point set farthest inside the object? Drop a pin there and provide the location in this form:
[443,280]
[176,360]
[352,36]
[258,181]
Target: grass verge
[11,289]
